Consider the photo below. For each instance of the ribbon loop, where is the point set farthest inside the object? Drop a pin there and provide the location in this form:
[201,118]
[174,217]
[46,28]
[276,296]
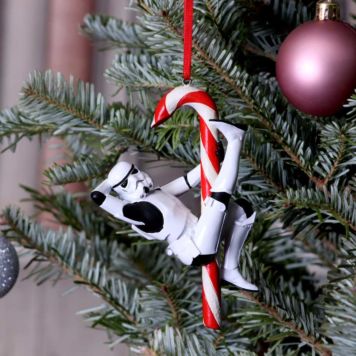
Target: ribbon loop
[188,39]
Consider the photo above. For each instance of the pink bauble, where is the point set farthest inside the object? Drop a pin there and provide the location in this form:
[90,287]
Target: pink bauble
[316,66]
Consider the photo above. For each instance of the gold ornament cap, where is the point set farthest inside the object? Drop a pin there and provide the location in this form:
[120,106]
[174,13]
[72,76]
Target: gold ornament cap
[327,10]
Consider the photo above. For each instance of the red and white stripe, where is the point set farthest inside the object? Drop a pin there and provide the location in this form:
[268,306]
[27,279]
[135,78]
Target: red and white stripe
[204,105]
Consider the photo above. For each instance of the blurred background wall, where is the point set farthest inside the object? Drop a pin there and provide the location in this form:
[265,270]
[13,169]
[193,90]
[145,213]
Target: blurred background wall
[41,34]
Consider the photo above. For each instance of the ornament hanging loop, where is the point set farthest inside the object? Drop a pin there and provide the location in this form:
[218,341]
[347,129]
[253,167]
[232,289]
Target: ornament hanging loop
[188,39]
[327,10]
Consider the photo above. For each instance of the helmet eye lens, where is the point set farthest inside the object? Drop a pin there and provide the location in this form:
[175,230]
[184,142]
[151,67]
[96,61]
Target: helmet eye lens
[124,183]
[134,171]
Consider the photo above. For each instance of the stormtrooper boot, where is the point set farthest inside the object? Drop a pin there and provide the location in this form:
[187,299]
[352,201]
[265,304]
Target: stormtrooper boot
[238,223]
[209,226]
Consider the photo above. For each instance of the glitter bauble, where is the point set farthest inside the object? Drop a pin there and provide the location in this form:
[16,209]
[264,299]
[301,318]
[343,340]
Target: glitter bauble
[316,66]
[9,266]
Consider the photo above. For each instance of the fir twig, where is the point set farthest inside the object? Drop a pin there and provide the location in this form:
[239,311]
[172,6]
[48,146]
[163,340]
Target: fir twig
[310,340]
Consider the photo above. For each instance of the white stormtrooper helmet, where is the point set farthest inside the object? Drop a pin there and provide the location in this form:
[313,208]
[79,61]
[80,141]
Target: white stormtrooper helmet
[128,182]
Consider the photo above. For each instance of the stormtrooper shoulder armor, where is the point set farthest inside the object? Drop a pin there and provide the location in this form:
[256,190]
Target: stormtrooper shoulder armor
[146,213]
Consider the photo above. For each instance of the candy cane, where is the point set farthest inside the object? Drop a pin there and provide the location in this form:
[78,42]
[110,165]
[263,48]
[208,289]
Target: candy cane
[204,105]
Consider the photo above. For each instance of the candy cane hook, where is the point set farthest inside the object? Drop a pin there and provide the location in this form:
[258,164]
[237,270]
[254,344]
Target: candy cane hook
[204,105]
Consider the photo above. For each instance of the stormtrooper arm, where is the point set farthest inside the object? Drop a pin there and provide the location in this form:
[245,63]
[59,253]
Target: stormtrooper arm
[113,205]
[103,187]
[184,183]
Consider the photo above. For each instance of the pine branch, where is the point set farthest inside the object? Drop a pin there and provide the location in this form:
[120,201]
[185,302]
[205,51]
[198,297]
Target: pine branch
[286,249]
[172,304]
[75,256]
[351,103]
[50,100]
[319,242]
[265,37]
[274,315]
[330,206]
[56,107]
[310,340]
[292,300]
[341,315]
[293,12]
[141,71]
[69,210]
[337,158]
[229,19]
[15,125]
[80,145]
[83,169]
[113,32]
[62,246]
[127,127]
[268,161]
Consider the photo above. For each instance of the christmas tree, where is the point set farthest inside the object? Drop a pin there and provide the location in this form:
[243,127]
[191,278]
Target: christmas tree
[296,170]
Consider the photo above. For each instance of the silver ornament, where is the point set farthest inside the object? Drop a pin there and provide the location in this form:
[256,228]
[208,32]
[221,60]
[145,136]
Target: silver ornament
[9,266]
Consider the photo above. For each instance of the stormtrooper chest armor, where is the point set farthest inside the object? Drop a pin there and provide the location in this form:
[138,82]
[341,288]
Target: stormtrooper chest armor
[164,216]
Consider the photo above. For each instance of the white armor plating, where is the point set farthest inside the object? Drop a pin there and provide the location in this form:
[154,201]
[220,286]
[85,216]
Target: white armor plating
[226,179]
[157,214]
[175,214]
[235,231]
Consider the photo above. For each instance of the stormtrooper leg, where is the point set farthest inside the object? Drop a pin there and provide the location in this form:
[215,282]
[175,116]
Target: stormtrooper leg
[226,180]
[210,223]
[237,225]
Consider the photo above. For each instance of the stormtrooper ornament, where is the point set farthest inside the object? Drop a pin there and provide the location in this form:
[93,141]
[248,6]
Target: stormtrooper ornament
[157,214]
